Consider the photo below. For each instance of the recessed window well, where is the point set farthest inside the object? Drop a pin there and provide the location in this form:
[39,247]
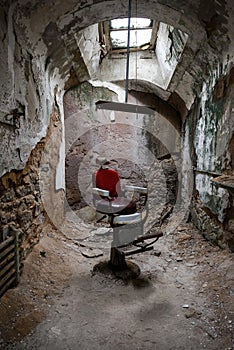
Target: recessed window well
[155,48]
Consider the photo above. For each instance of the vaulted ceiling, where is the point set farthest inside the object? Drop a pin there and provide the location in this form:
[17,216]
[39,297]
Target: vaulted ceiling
[48,30]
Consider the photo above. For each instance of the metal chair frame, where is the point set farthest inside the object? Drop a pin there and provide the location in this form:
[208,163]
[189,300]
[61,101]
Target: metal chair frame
[128,229]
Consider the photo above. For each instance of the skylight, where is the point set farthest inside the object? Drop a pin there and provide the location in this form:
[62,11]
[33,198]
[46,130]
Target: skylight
[140,33]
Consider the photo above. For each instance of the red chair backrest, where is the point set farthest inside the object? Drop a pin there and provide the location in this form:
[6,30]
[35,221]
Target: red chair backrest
[108,179]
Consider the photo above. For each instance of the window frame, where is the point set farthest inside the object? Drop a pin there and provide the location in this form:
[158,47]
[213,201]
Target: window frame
[105,38]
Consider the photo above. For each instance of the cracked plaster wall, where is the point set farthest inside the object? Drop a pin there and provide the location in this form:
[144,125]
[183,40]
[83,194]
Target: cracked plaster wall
[24,92]
[169,48]
[88,43]
[212,127]
[29,100]
[214,130]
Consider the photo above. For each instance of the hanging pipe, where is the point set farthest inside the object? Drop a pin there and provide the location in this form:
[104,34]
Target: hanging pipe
[128,51]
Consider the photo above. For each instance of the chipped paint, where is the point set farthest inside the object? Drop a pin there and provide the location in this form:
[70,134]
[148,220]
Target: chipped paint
[213,133]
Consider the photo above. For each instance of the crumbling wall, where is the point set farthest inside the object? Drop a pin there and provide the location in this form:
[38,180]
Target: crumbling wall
[81,134]
[137,142]
[212,127]
[85,144]
[29,102]
[22,205]
[169,47]
[88,43]
[24,97]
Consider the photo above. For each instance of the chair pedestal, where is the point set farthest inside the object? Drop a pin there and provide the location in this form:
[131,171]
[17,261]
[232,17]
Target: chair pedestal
[117,259]
[121,267]
[128,230]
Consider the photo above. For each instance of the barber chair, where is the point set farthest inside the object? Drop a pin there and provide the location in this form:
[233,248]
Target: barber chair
[127,220]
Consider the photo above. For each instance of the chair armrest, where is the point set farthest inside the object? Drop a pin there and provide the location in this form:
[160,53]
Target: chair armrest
[139,189]
[100,192]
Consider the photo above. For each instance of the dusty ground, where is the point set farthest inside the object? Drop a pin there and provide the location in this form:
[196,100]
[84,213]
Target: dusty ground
[183,299]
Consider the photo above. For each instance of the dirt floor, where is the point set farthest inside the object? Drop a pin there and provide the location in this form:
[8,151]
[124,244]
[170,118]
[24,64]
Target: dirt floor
[183,298]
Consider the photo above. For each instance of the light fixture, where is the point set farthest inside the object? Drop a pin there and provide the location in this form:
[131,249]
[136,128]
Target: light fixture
[119,106]
[123,107]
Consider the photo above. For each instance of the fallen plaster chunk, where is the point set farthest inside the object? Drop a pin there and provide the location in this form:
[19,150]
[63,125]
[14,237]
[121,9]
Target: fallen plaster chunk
[91,253]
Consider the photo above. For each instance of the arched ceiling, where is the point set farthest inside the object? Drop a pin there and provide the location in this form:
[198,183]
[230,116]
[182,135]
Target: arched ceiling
[49,29]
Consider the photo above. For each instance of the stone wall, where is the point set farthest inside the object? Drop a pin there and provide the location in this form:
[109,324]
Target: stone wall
[138,142]
[209,226]
[128,170]
[22,206]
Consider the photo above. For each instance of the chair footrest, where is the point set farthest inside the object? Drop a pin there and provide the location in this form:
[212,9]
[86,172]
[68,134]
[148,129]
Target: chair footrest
[138,250]
[156,235]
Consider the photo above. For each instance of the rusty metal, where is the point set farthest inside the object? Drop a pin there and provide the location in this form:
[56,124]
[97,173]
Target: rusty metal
[9,263]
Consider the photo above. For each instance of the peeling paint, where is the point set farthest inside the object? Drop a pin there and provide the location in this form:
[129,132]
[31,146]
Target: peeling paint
[213,133]
[215,198]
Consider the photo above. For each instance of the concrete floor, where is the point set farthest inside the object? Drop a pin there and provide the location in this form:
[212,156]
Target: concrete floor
[183,298]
